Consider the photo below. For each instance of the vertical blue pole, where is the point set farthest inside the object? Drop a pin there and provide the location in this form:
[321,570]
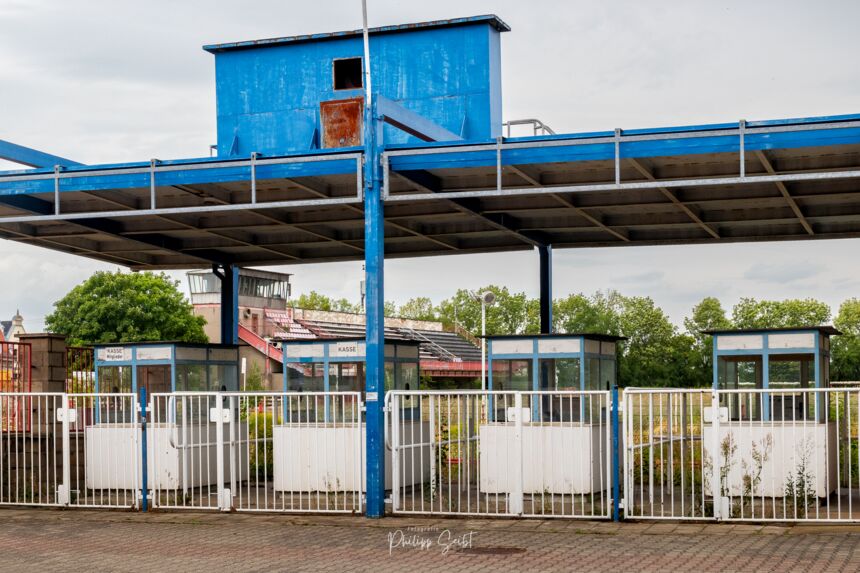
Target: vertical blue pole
[765,397]
[229,276]
[616,457]
[143,463]
[819,383]
[374,237]
[545,252]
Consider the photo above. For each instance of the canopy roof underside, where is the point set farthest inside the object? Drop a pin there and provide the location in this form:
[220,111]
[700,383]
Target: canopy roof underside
[676,186]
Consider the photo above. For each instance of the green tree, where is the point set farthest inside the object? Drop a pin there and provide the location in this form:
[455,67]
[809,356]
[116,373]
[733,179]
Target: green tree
[845,349]
[709,314]
[421,308]
[651,348]
[596,314]
[125,307]
[752,313]
[512,313]
[318,301]
[388,308]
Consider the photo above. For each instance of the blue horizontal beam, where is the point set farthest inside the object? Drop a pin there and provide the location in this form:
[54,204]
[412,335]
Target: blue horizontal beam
[118,179]
[31,157]
[706,144]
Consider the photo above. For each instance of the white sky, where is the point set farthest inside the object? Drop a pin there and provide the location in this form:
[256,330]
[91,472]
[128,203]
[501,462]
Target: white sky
[103,81]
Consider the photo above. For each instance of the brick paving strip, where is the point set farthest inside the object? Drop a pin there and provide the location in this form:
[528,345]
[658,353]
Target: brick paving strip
[69,541]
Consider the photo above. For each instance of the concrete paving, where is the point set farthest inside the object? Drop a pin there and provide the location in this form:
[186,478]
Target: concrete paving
[70,541]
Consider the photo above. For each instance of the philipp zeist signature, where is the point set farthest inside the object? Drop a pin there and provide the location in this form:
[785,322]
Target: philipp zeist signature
[426,538]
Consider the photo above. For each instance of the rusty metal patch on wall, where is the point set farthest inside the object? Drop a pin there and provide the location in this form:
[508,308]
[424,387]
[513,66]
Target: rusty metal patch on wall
[342,122]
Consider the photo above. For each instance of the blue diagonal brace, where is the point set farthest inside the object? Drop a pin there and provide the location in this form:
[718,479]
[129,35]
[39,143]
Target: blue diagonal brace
[31,157]
[412,123]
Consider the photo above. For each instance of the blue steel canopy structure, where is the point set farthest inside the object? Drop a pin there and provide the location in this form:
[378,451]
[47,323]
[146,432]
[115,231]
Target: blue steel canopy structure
[766,180]
[417,166]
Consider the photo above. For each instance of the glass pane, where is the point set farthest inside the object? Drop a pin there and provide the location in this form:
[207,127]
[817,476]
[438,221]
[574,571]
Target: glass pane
[223,378]
[607,373]
[408,376]
[788,373]
[389,376]
[740,373]
[592,374]
[346,377]
[559,374]
[153,378]
[191,378]
[305,377]
[114,379]
[521,375]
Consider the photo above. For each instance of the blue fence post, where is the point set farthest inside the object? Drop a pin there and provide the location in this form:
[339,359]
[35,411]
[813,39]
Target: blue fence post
[144,485]
[616,457]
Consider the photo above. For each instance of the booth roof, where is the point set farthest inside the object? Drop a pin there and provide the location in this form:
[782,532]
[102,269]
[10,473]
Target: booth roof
[824,329]
[170,342]
[591,335]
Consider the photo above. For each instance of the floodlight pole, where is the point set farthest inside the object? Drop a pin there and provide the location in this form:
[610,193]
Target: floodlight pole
[483,345]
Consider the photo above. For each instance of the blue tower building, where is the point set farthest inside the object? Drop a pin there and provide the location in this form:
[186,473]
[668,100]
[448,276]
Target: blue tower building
[302,93]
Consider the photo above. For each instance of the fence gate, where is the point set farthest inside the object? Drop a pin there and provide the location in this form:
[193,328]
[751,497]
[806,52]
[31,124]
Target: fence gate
[540,454]
[781,454]
[70,450]
[258,452]
[666,467]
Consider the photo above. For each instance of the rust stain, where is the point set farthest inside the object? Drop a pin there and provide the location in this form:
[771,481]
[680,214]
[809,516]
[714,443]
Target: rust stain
[342,122]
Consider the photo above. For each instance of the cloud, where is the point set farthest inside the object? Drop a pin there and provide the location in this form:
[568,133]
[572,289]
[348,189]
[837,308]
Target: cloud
[784,272]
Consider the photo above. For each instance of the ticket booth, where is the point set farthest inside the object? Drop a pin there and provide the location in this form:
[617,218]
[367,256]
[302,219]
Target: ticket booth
[338,365]
[565,380]
[166,367]
[180,433]
[316,417]
[550,363]
[772,411]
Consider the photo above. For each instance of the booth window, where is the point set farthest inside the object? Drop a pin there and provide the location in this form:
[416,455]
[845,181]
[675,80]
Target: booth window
[191,378]
[347,74]
[788,373]
[741,373]
[346,377]
[513,375]
[559,374]
[305,377]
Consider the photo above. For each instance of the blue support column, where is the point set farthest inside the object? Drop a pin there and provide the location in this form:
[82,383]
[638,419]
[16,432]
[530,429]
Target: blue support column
[229,276]
[545,252]
[374,236]
[616,456]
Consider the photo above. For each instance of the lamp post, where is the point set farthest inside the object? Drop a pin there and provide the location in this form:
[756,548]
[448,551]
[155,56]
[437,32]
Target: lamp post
[486,298]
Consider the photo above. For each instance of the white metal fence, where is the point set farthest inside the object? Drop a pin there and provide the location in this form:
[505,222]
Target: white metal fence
[542,454]
[67,450]
[785,454]
[293,452]
[746,455]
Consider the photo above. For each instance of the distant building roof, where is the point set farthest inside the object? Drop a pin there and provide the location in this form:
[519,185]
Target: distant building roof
[436,344]
[490,19]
